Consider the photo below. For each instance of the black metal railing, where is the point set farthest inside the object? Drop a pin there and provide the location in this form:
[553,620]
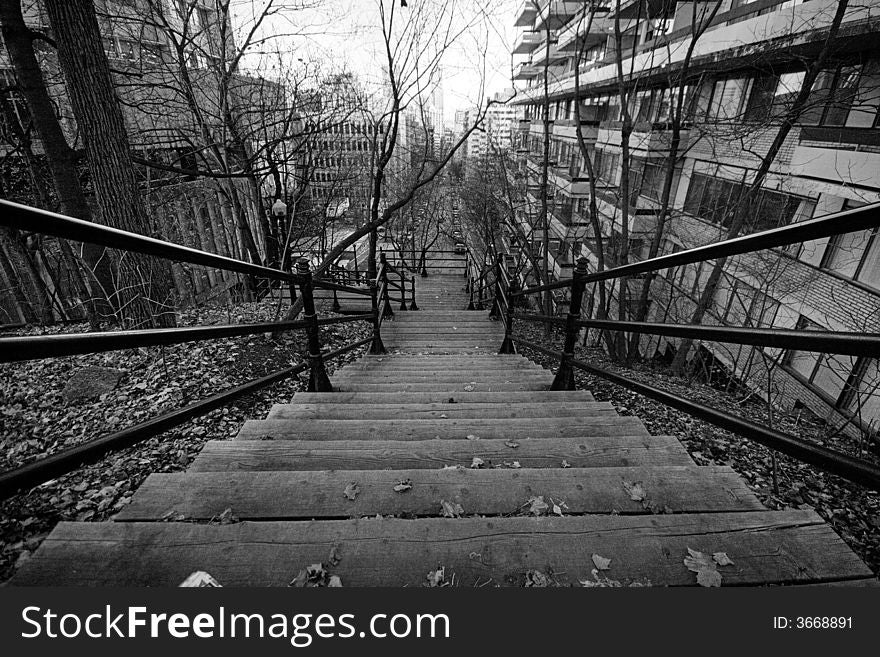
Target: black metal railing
[19,348]
[506,296]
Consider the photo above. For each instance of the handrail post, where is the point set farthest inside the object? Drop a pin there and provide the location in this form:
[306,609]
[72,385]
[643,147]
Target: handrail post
[377,346]
[412,305]
[402,289]
[495,312]
[564,379]
[386,302]
[480,296]
[507,346]
[318,379]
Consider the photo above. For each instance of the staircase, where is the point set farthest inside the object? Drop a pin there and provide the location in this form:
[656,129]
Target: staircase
[444,462]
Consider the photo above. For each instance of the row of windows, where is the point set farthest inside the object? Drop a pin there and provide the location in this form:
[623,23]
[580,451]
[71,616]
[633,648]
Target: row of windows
[846,94]
[717,199]
[359,146]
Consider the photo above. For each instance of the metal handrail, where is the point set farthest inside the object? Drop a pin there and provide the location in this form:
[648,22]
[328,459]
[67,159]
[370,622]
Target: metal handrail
[19,348]
[35,220]
[850,344]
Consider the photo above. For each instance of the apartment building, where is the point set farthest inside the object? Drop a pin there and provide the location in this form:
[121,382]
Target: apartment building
[734,68]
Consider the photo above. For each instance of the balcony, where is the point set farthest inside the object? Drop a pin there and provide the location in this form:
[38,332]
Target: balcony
[526,14]
[584,31]
[527,42]
[655,137]
[526,71]
[567,129]
[557,13]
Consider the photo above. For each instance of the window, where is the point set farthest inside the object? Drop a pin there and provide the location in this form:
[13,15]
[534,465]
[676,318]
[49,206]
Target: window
[772,95]
[827,372]
[727,97]
[717,199]
[855,255]
[833,95]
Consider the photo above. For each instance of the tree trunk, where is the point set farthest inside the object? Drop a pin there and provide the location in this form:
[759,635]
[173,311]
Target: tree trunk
[29,289]
[61,159]
[145,294]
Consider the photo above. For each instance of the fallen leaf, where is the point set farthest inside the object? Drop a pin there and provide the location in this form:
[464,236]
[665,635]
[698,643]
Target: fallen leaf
[403,485]
[565,464]
[537,579]
[351,490]
[601,562]
[471,436]
[334,557]
[437,578]
[225,518]
[704,566]
[512,444]
[334,582]
[450,509]
[478,463]
[310,577]
[537,505]
[722,559]
[468,388]
[635,491]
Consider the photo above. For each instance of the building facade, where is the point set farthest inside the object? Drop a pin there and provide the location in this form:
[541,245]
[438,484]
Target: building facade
[713,83]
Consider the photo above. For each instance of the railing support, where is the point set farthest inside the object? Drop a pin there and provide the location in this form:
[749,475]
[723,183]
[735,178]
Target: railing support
[402,289]
[386,302]
[318,379]
[564,379]
[495,312]
[480,297]
[377,346]
[412,305]
[507,346]
[336,306]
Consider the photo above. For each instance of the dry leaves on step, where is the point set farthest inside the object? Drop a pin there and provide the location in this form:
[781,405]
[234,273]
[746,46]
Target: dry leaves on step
[537,505]
[315,576]
[558,507]
[352,490]
[225,518]
[601,563]
[471,436]
[437,578]
[722,559]
[635,490]
[478,463]
[512,444]
[450,509]
[334,557]
[537,579]
[403,485]
[469,388]
[706,566]
[200,579]
[565,464]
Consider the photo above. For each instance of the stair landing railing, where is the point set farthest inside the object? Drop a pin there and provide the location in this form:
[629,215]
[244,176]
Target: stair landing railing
[507,295]
[19,348]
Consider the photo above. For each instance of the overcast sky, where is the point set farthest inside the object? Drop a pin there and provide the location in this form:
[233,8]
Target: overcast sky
[337,34]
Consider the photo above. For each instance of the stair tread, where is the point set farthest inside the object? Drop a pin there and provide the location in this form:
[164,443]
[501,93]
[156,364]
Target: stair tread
[496,491]
[777,547]
[451,428]
[595,451]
